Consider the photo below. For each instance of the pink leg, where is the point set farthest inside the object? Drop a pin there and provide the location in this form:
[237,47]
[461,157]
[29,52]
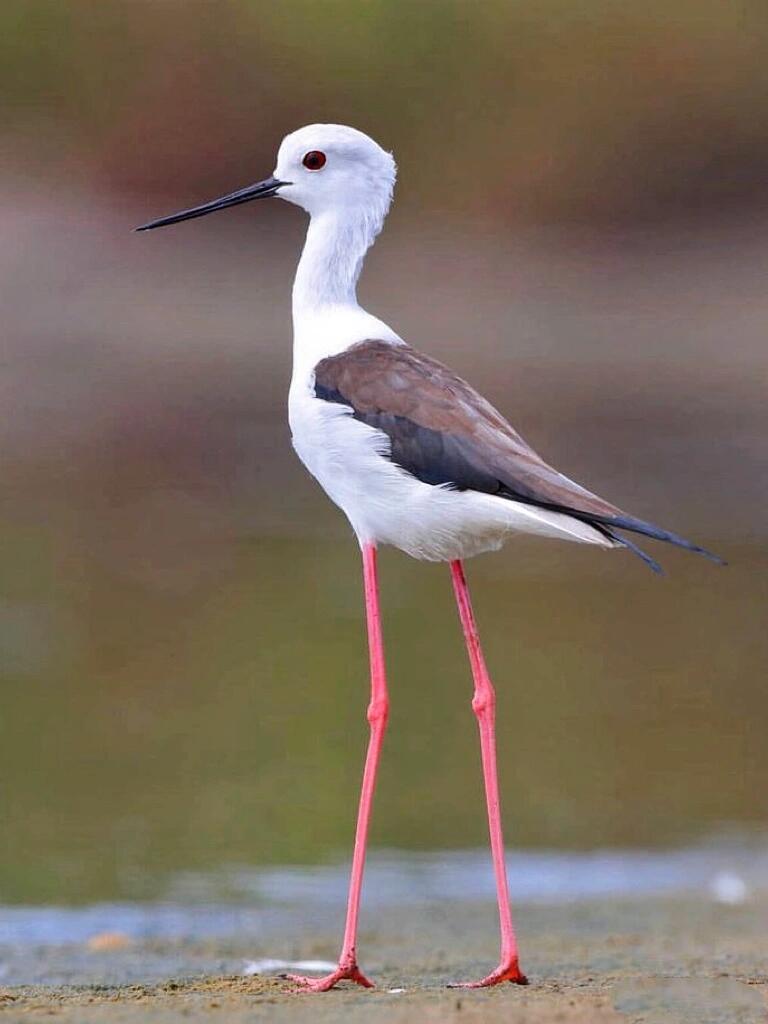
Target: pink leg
[378,711]
[484,707]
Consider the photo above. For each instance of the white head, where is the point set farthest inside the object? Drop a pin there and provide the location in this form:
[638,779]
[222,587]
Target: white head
[330,168]
[324,169]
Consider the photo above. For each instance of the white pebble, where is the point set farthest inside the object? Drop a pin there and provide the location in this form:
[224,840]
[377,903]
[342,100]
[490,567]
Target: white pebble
[727,887]
[263,966]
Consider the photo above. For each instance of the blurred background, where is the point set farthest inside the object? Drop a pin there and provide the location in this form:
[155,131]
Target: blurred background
[581,228]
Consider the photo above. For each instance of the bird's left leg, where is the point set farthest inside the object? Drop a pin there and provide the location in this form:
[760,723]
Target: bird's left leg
[378,712]
[484,707]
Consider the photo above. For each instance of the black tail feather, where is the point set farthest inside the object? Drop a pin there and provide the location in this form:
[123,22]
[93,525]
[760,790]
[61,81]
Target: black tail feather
[649,530]
[607,525]
[631,546]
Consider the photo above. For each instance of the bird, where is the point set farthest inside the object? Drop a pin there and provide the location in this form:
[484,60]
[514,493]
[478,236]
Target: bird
[413,455]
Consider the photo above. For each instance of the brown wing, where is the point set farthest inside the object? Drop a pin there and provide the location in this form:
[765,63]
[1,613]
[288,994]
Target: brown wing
[442,430]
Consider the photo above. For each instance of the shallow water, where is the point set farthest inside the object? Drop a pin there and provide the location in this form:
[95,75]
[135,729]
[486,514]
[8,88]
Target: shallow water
[260,902]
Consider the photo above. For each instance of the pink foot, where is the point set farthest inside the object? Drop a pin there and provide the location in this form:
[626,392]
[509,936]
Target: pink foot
[509,971]
[349,973]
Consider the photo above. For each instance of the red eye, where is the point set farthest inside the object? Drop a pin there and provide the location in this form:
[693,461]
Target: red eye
[314,160]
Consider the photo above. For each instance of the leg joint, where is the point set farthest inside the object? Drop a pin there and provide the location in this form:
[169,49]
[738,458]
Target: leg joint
[484,703]
[378,710]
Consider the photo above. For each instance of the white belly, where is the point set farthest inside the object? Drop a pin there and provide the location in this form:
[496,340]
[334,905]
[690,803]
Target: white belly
[387,505]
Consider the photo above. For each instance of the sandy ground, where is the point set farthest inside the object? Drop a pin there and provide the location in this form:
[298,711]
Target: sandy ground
[661,960]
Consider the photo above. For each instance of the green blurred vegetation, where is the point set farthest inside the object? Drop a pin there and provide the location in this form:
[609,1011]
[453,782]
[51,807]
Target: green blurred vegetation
[594,111]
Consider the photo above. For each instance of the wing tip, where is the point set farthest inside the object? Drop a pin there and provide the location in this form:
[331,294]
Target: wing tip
[710,556]
[624,542]
[657,533]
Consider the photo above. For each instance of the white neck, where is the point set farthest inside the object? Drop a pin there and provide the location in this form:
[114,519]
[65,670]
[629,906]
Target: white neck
[333,255]
[326,316]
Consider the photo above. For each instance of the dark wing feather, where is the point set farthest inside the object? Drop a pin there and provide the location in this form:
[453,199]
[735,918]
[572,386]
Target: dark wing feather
[443,432]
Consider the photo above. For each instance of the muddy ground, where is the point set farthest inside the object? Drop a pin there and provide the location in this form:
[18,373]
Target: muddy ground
[659,960]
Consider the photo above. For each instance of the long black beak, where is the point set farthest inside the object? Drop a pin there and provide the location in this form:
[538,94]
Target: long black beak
[261,190]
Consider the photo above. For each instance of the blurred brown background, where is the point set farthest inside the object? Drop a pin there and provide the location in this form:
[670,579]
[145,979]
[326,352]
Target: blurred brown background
[581,228]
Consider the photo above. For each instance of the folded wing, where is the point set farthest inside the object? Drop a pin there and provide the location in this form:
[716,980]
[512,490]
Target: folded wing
[443,432]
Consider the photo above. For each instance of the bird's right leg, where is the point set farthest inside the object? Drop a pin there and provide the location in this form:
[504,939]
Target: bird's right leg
[378,712]
[484,707]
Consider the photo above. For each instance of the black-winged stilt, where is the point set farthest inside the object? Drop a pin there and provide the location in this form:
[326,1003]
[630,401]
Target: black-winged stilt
[413,455]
